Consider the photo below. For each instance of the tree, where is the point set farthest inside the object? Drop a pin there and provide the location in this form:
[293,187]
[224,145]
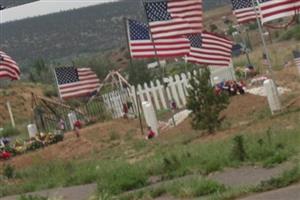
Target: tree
[40,72]
[139,73]
[205,104]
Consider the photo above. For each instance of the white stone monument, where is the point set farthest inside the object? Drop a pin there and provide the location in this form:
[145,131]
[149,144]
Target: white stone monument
[72,119]
[272,95]
[150,116]
[32,130]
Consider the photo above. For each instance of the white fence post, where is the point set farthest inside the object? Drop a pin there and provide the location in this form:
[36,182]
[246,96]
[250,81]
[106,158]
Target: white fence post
[11,114]
[158,95]
[153,90]
[180,89]
[161,94]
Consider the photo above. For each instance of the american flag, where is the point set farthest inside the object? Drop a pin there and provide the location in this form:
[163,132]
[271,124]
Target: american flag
[189,10]
[244,10]
[297,58]
[76,82]
[276,9]
[141,45]
[164,24]
[8,67]
[210,49]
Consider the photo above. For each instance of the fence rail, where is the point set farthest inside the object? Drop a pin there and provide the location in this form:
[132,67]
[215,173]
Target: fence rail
[161,94]
[48,112]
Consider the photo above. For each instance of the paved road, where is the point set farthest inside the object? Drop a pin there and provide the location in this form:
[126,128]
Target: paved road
[70,193]
[288,193]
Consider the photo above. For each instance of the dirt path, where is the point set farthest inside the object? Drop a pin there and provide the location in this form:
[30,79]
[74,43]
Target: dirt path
[288,193]
[243,176]
[248,175]
[231,177]
[71,193]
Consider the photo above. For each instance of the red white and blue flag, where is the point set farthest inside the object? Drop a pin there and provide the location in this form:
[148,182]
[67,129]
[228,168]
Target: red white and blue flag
[174,18]
[8,67]
[244,11]
[210,49]
[189,10]
[275,9]
[76,82]
[141,45]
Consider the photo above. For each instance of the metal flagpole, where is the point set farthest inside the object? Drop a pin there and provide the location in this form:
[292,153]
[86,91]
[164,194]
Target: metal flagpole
[153,41]
[131,64]
[56,82]
[159,64]
[255,2]
[246,46]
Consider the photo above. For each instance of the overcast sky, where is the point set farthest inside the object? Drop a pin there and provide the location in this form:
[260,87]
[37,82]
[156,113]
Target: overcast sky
[44,7]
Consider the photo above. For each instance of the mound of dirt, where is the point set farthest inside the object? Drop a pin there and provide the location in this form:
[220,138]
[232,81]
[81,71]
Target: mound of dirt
[19,96]
[243,106]
[93,139]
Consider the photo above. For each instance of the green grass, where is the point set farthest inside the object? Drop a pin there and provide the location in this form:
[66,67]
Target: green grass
[168,160]
[181,189]
[9,131]
[285,179]
[293,33]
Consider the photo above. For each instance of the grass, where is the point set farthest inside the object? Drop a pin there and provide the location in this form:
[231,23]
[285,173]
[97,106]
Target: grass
[182,189]
[115,175]
[287,178]
[9,131]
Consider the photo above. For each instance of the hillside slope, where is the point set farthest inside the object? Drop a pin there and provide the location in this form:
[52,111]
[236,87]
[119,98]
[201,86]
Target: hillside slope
[67,34]
[11,3]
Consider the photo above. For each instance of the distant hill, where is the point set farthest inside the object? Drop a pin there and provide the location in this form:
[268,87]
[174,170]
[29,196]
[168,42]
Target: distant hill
[10,3]
[71,33]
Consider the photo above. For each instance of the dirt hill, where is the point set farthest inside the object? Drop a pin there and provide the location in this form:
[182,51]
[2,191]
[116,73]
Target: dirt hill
[19,96]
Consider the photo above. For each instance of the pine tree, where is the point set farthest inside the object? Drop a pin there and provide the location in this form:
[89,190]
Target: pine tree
[204,103]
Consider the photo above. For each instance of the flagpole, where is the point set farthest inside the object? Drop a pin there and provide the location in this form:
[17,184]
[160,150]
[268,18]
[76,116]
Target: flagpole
[131,65]
[56,82]
[265,49]
[246,46]
[153,41]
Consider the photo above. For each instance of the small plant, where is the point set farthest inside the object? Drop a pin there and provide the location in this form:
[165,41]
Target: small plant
[9,131]
[205,103]
[9,171]
[238,150]
[171,163]
[287,178]
[50,91]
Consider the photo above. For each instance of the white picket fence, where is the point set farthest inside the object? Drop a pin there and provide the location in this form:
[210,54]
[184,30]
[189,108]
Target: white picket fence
[159,95]
[176,89]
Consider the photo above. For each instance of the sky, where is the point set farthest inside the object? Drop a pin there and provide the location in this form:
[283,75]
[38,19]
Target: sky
[44,7]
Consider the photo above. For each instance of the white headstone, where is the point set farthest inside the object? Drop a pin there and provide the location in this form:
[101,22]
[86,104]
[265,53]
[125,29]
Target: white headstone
[272,95]
[72,119]
[150,116]
[32,130]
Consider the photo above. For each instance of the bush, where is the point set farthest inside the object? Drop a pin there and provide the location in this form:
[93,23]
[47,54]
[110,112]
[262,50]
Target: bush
[9,131]
[50,92]
[9,171]
[205,104]
[195,187]
[287,178]
[238,150]
[122,178]
[293,33]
